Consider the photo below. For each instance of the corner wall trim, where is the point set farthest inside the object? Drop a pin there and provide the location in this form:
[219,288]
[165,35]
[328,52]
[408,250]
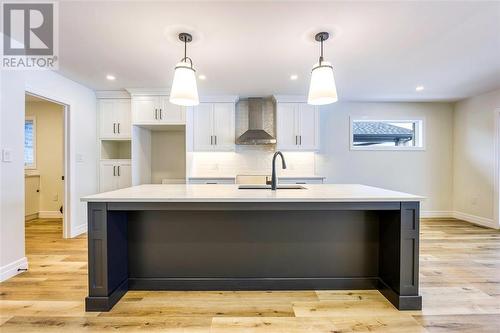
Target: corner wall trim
[10,270]
[482,221]
[82,228]
[49,214]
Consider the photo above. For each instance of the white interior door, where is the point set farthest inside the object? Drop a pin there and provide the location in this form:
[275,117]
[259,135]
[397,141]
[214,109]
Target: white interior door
[145,109]
[224,136]
[203,127]
[287,126]
[308,118]
[107,122]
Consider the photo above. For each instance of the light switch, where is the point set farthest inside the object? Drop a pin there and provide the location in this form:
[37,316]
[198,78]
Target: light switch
[79,158]
[6,155]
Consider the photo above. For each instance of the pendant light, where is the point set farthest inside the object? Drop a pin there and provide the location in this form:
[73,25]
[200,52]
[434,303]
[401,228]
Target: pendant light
[184,89]
[322,89]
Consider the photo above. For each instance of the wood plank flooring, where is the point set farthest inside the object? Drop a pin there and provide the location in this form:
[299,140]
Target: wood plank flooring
[459,280]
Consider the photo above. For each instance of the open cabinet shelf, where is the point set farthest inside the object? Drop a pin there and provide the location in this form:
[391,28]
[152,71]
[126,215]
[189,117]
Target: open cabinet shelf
[116,150]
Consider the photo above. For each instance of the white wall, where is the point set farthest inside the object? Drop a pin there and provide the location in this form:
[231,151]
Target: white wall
[83,154]
[427,173]
[474,158]
[12,254]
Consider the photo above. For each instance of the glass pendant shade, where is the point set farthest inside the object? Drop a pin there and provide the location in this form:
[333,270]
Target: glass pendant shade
[322,89]
[184,89]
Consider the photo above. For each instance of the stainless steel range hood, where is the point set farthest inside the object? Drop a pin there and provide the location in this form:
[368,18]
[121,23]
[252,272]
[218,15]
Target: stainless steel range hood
[255,135]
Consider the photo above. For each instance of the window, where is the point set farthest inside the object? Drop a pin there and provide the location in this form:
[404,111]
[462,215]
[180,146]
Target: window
[369,134]
[29,143]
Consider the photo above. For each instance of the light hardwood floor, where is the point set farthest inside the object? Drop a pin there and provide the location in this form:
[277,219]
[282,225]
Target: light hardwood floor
[460,284]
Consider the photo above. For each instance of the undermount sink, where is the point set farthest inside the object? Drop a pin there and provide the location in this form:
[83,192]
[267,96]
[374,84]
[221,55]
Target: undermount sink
[268,187]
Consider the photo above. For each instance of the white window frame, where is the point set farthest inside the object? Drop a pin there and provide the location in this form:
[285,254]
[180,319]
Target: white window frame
[420,134]
[33,165]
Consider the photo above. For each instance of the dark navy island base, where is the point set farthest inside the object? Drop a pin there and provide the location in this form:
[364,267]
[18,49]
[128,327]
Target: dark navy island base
[253,246]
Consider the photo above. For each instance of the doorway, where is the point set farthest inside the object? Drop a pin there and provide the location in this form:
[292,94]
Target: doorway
[45,152]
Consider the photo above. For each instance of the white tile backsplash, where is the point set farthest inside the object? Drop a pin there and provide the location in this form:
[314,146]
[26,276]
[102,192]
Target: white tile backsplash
[250,160]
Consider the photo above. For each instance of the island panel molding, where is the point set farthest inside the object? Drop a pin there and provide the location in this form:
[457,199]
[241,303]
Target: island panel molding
[252,245]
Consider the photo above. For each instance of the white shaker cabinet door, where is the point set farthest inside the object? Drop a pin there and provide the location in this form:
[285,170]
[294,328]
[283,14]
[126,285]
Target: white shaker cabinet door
[170,113]
[124,175]
[107,177]
[203,137]
[308,120]
[145,109]
[107,122]
[123,114]
[287,135]
[223,123]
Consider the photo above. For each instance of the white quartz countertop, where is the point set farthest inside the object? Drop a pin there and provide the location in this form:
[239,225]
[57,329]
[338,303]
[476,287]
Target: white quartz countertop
[231,193]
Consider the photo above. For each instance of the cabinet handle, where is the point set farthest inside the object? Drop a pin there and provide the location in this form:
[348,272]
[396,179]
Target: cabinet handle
[114,170]
[300,140]
[296,140]
[118,128]
[160,115]
[156,114]
[114,127]
[215,139]
[118,170]
[211,139]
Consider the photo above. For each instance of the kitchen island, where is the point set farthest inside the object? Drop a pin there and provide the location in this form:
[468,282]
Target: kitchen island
[219,237]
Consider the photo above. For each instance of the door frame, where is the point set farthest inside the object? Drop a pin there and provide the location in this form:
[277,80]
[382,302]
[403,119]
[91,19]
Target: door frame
[496,176]
[66,158]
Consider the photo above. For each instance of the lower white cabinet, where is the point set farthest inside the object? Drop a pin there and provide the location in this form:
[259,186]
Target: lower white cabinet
[114,175]
[299,180]
[211,180]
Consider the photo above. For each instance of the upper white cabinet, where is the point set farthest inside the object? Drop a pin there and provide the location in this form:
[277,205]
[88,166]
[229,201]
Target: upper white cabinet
[297,126]
[114,118]
[213,127]
[151,110]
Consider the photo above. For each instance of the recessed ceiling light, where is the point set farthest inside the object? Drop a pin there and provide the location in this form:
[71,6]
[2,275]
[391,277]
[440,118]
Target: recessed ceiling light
[110,77]
[419,88]
[294,77]
[202,77]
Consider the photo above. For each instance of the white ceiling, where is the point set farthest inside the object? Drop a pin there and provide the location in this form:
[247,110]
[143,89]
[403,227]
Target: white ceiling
[380,50]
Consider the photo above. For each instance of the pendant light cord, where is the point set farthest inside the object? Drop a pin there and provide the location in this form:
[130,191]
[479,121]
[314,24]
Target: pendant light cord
[321,56]
[185,49]
[185,54]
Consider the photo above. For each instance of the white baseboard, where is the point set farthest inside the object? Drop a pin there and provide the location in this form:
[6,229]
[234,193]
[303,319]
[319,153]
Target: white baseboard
[482,221]
[49,214]
[9,270]
[436,214]
[82,228]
